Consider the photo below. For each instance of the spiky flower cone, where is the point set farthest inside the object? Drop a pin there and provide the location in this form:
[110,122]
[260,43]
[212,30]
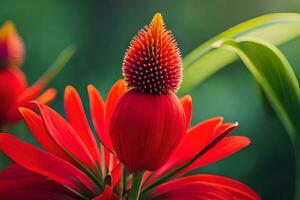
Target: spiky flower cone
[148,122]
[11,46]
[152,63]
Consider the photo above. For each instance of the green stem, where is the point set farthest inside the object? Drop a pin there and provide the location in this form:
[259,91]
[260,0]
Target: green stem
[137,178]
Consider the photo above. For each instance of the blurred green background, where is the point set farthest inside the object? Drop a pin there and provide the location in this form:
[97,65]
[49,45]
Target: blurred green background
[102,30]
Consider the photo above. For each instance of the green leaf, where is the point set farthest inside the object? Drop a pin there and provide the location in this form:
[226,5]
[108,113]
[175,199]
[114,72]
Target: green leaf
[206,60]
[277,80]
[274,75]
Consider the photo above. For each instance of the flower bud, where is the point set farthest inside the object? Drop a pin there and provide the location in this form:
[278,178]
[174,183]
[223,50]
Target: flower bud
[149,121]
[12,83]
[11,46]
[146,128]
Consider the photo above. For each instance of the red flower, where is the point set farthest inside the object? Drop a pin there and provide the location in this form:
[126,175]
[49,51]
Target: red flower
[72,166]
[14,89]
[148,122]
[146,127]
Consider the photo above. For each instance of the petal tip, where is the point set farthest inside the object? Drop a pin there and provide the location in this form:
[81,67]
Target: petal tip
[90,87]
[69,89]
[23,110]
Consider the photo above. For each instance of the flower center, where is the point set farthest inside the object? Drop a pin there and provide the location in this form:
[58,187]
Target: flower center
[152,64]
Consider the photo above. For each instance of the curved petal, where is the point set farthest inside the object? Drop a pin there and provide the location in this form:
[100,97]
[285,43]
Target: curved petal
[117,90]
[97,109]
[77,118]
[192,186]
[223,149]
[46,164]
[35,124]
[15,172]
[195,140]
[17,183]
[66,137]
[35,190]
[190,191]
[225,128]
[186,102]
[31,93]
[116,174]
[46,96]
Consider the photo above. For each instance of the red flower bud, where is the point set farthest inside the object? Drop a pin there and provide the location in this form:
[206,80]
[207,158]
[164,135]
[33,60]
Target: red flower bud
[149,121]
[146,128]
[11,46]
[12,83]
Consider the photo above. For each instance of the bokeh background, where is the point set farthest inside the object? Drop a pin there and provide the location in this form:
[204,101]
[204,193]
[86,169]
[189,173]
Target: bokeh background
[102,30]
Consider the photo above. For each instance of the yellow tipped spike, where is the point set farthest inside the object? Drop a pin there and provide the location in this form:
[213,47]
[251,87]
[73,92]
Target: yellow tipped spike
[157,24]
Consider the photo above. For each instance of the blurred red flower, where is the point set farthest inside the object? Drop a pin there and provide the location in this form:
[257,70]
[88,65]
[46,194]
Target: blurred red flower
[14,89]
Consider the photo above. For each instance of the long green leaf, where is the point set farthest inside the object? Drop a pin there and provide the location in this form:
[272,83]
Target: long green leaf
[206,60]
[278,81]
[275,76]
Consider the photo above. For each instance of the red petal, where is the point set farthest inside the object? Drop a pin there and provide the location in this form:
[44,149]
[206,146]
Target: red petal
[116,174]
[47,96]
[187,191]
[17,183]
[35,190]
[186,102]
[97,109]
[45,164]
[107,194]
[66,137]
[225,128]
[31,93]
[239,190]
[15,172]
[77,118]
[35,124]
[195,140]
[223,149]
[193,186]
[117,90]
